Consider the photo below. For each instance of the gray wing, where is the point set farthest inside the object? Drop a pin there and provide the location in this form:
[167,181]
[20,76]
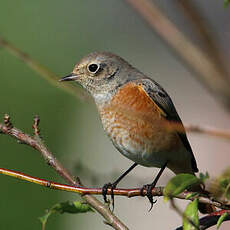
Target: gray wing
[162,99]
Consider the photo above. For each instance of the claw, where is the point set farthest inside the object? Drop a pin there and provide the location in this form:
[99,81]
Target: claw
[105,190]
[148,188]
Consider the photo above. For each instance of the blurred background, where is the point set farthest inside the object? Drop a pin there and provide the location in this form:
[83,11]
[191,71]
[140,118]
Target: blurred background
[58,34]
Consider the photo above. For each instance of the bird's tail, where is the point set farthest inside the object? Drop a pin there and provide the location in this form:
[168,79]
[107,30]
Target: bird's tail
[203,208]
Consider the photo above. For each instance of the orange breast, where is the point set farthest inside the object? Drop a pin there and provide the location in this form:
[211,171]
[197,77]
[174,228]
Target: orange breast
[135,123]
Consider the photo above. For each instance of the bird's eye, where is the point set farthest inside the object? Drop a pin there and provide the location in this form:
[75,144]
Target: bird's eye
[93,68]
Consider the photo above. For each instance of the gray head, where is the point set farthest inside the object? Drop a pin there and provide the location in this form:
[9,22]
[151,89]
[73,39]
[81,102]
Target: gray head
[101,74]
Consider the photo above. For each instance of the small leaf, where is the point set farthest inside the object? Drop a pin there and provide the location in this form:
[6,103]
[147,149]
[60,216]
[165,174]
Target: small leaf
[220,186]
[178,184]
[191,195]
[191,215]
[72,207]
[221,219]
[43,219]
[66,207]
[204,177]
[227,192]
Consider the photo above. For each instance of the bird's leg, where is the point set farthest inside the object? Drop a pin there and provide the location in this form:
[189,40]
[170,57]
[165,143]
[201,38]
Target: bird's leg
[149,187]
[113,185]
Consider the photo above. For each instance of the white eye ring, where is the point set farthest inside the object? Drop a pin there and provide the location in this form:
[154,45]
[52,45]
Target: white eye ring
[93,68]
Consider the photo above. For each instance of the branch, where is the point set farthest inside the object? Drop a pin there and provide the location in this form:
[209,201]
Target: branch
[201,27]
[48,75]
[36,143]
[132,192]
[208,131]
[196,59]
[210,220]
[75,185]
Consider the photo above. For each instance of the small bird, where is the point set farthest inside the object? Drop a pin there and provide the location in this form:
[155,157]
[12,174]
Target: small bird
[136,113]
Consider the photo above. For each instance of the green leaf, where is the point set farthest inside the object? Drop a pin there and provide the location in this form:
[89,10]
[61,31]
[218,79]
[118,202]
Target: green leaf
[178,184]
[43,219]
[221,219]
[72,207]
[220,187]
[227,192]
[191,215]
[204,177]
[65,207]
[191,195]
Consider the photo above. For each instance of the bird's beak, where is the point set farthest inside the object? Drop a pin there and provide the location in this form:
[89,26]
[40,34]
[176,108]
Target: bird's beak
[70,77]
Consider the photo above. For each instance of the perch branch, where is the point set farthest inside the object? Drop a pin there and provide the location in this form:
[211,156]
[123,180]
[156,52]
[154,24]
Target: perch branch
[75,185]
[36,143]
[132,192]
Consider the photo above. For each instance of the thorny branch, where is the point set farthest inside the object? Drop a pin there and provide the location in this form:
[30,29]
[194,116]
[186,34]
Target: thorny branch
[205,222]
[132,192]
[75,185]
[36,143]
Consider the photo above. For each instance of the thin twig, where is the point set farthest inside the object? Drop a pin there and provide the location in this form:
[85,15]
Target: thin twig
[208,131]
[196,60]
[210,220]
[132,192]
[42,70]
[201,28]
[36,143]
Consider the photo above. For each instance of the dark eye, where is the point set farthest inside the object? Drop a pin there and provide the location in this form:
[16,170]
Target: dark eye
[93,68]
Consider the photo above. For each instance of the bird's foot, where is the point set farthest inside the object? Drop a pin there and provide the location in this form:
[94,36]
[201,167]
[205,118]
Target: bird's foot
[105,190]
[149,188]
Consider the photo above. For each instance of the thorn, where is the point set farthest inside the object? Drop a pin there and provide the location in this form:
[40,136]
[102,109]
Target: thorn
[78,180]
[7,122]
[152,202]
[35,125]
[50,161]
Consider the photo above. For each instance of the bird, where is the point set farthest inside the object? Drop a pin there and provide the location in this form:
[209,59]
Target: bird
[137,114]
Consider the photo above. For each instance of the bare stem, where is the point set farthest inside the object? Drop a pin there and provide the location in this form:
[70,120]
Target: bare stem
[202,29]
[75,185]
[132,192]
[36,142]
[208,131]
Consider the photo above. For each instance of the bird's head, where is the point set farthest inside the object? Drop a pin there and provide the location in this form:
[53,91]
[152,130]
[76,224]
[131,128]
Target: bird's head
[101,73]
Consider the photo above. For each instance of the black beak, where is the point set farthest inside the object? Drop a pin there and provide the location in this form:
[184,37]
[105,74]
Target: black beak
[70,77]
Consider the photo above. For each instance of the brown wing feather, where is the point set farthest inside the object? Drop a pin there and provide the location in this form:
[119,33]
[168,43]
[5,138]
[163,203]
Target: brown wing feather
[162,99]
